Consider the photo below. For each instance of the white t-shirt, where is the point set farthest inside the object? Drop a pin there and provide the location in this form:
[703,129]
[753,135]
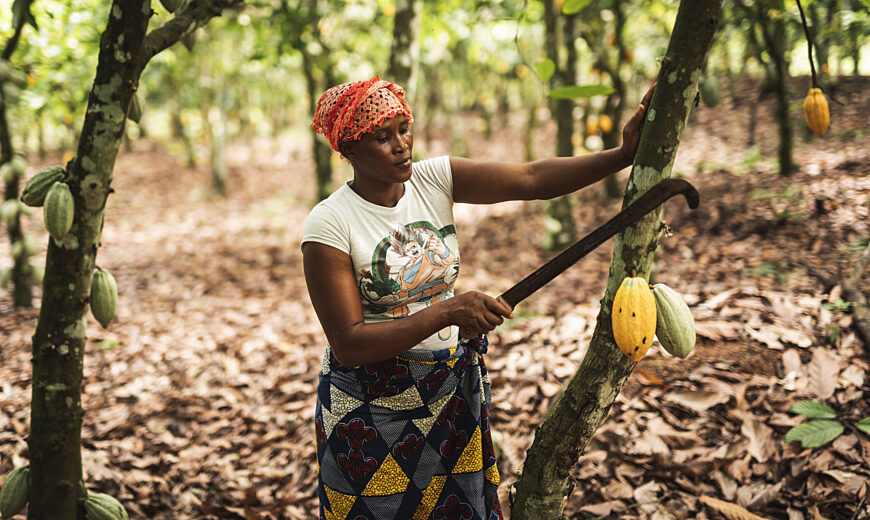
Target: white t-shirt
[405,258]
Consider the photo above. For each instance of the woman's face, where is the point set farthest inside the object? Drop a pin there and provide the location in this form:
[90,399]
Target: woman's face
[383,155]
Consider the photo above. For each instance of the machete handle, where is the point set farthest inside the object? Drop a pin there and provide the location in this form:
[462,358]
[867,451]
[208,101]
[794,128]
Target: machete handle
[653,198]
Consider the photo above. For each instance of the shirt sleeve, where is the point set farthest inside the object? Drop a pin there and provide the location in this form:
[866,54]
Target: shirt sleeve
[436,172]
[324,225]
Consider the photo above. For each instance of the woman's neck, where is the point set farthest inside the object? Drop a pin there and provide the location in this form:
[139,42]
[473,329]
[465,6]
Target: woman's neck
[387,195]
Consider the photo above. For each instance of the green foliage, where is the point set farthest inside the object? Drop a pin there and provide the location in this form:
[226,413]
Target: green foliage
[580,91]
[838,305]
[751,158]
[574,6]
[545,69]
[813,410]
[814,434]
[778,270]
[821,428]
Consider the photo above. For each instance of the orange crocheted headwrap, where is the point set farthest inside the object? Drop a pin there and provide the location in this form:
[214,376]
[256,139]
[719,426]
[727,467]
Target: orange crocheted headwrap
[347,111]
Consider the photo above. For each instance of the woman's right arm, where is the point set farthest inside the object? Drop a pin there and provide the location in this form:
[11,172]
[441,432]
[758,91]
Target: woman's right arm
[334,294]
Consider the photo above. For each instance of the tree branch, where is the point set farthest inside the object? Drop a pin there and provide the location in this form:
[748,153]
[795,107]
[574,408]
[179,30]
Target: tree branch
[193,16]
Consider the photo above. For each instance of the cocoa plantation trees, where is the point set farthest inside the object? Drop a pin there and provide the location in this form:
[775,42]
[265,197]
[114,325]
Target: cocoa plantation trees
[126,47]
[588,397]
[22,275]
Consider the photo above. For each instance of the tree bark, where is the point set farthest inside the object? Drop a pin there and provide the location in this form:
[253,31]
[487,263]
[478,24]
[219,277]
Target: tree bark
[562,230]
[612,188]
[56,483]
[773,31]
[588,397]
[405,51]
[22,278]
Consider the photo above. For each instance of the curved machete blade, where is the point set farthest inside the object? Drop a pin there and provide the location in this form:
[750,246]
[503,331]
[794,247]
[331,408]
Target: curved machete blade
[653,198]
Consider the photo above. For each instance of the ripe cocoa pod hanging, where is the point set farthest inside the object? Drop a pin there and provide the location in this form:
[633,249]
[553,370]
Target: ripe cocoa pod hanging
[15,491]
[104,296]
[675,326]
[605,124]
[59,210]
[816,112]
[100,506]
[592,125]
[633,317]
[37,187]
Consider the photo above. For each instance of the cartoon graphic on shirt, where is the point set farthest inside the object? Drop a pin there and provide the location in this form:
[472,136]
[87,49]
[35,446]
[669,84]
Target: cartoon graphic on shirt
[414,265]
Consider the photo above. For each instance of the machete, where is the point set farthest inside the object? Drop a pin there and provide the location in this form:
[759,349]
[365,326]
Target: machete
[653,198]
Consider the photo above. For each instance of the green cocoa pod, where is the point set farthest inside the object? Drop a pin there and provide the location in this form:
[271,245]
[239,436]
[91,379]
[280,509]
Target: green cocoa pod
[136,108]
[37,187]
[59,210]
[171,5]
[710,91]
[30,245]
[189,40]
[18,249]
[104,296]
[14,493]
[9,210]
[36,273]
[100,506]
[5,277]
[675,326]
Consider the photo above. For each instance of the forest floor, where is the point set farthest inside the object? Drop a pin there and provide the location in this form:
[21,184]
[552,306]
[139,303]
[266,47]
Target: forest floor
[199,397]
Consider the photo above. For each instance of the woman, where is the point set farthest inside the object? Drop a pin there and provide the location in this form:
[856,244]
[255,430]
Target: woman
[403,398]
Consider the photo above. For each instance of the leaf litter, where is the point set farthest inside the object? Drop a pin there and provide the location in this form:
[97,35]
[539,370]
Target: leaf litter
[199,398]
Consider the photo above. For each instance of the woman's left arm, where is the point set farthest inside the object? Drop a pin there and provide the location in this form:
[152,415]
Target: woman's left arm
[487,182]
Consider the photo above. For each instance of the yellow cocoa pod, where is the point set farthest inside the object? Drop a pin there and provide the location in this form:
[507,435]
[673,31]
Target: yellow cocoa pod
[634,317]
[816,112]
[605,124]
[592,125]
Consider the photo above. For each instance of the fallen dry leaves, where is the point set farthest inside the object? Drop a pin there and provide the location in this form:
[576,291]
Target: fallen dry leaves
[199,398]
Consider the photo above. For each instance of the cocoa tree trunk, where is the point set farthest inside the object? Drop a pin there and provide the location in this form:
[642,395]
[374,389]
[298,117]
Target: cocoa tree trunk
[319,149]
[56,483]
[562,230]
[587,398]
[612,188]
[773,31]
[405,50]
[21,276]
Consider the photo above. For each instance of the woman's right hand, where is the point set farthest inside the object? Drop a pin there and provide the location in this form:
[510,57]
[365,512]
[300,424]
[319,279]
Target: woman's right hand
[476,313]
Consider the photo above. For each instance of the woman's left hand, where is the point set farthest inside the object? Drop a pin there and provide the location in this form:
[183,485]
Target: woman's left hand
[632,129]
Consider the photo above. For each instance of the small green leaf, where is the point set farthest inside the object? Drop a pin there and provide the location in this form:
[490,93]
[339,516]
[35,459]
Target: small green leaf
[813,434]
[813,410]
[864,425]
[580,91]
[546,69]
[575,6]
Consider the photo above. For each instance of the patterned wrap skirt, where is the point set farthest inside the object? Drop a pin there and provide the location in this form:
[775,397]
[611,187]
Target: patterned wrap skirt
[407,438]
